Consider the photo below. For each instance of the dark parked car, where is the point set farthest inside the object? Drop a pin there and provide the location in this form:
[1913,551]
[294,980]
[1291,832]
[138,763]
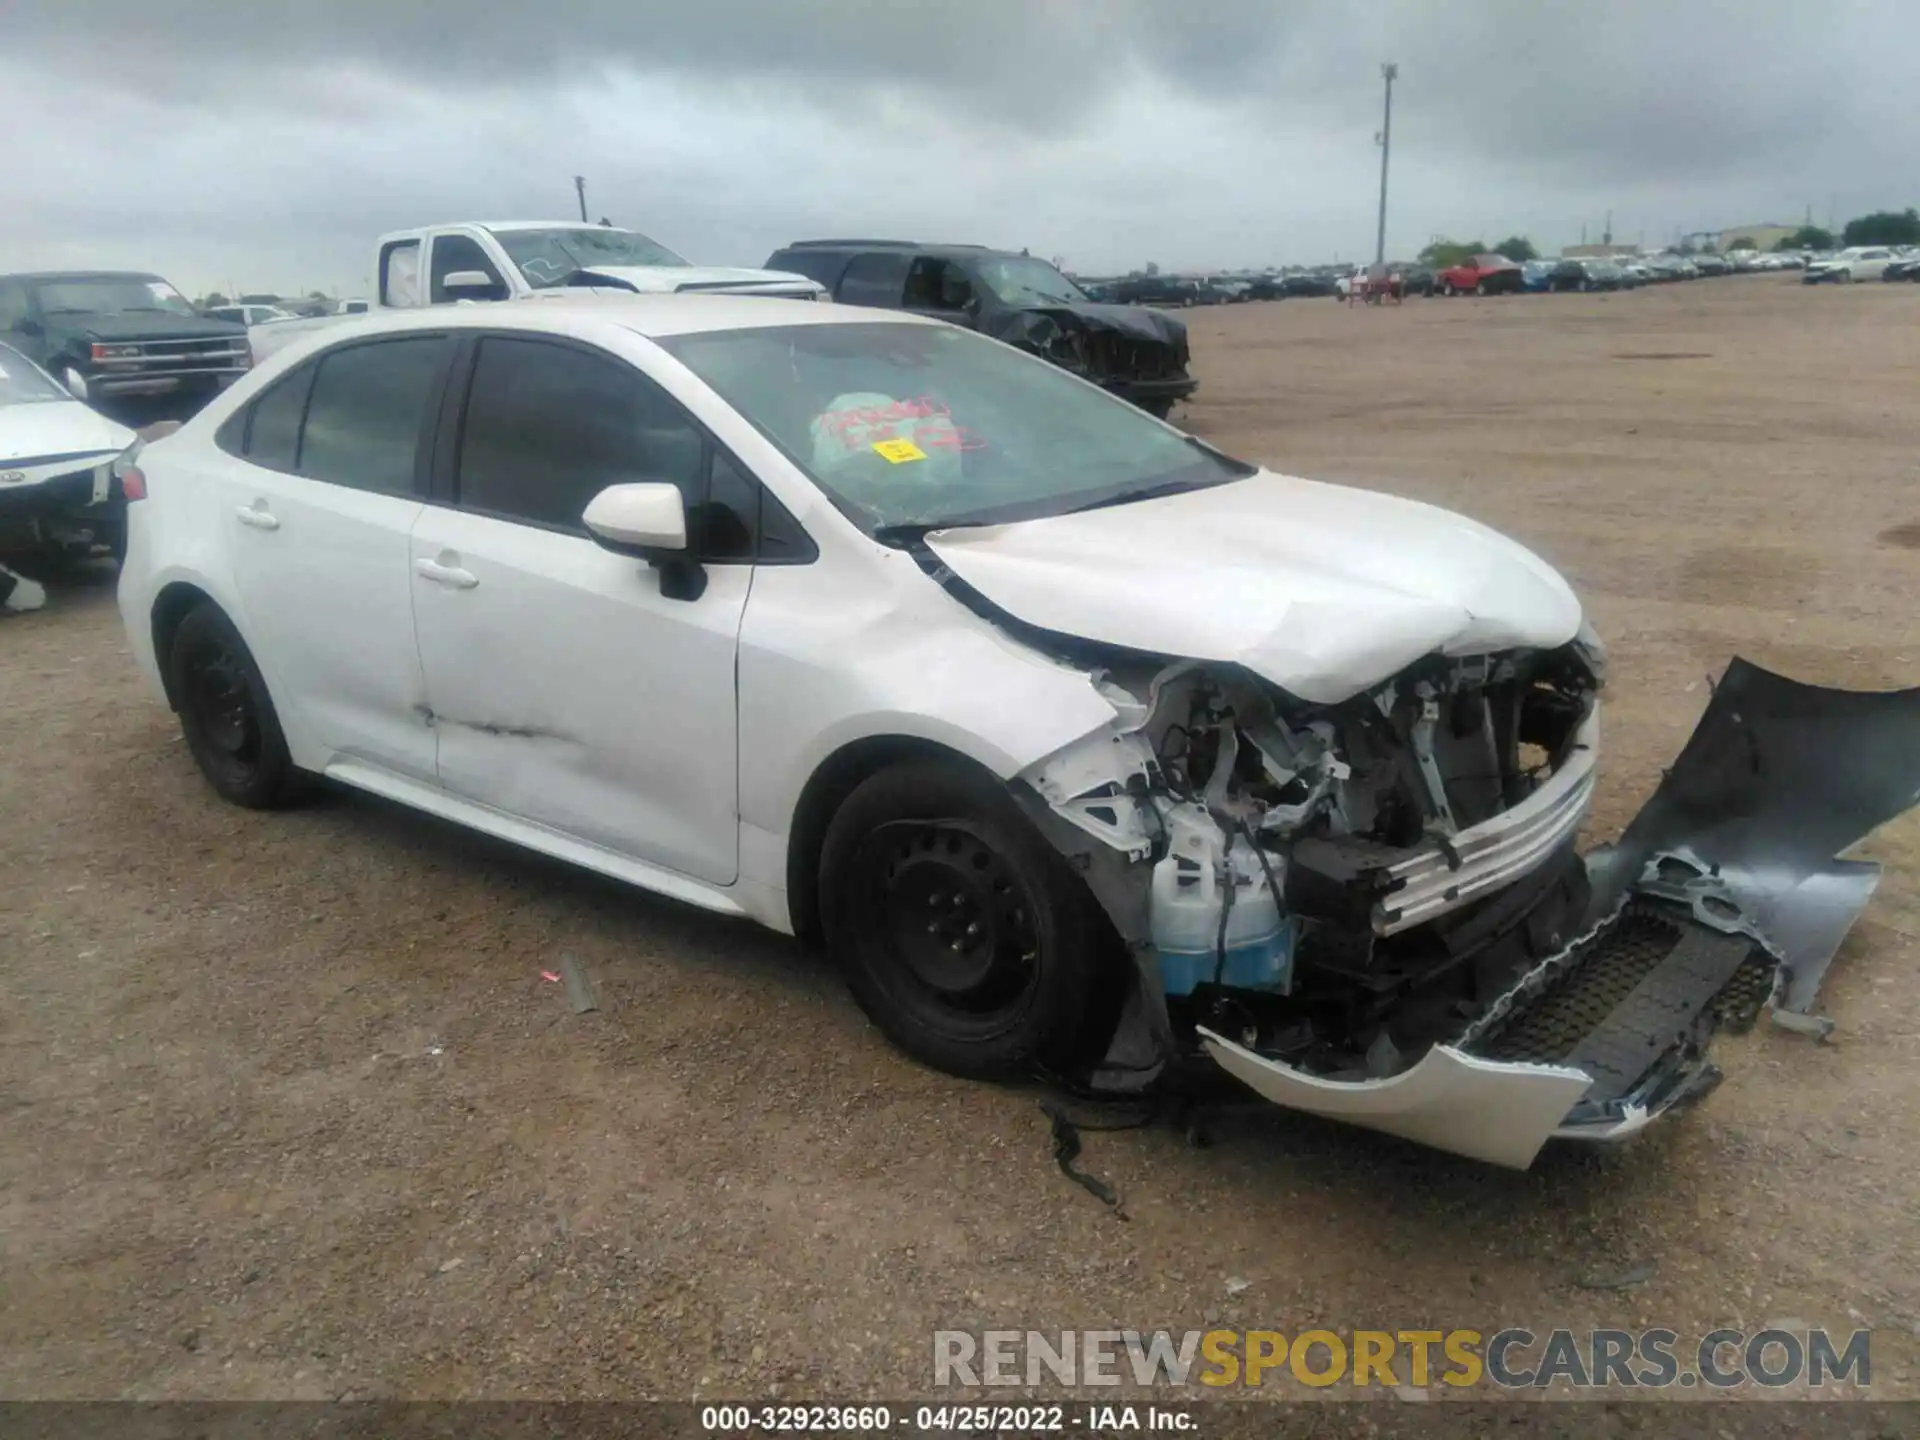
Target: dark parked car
[1137,353]
[105,333]
[1154,290]
[1906,268]
[1267,287]
[1416,279]
[1314,282]
[1586,275]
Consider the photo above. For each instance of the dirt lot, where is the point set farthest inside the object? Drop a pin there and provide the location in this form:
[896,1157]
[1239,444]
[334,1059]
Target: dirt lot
[287,1110]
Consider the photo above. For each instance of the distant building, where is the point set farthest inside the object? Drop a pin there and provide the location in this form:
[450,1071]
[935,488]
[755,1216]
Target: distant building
[1763,236]
[1599,252]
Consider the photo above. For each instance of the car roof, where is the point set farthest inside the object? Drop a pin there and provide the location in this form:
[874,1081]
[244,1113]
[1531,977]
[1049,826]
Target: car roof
[529,225]
[82,275]
[653,316]
[916,247]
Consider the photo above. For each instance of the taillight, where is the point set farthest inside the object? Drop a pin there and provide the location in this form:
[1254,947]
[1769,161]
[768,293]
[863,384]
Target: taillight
[133,482]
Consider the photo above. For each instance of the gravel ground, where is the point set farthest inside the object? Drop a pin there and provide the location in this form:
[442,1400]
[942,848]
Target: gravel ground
[287,1110]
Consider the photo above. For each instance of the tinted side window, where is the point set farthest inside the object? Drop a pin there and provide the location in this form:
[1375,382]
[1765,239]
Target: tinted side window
[723,529]
[13,303]
[878,278]
[935,284]
[365,414]
[548,427]
[782,541]
[452,253]
[273,433]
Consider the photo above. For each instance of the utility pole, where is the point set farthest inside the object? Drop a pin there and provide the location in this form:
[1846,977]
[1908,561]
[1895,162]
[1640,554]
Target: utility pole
[1606,236]
[1387,72]
[580,189]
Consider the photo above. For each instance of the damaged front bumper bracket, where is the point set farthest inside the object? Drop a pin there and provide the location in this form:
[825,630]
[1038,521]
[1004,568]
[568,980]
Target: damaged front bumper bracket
[1723,898]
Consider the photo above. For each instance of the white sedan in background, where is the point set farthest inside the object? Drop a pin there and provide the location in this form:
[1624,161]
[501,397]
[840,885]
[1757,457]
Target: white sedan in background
[59,493]
[1083,745]
[251,315]
[1857,262]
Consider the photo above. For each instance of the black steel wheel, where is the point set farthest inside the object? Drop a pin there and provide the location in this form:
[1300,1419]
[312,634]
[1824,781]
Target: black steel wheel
[961,931]
[226,715]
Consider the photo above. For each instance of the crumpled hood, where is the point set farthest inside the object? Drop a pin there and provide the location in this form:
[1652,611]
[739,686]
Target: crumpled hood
[1322,589]
[665,279]
[44,428]
[1136,322]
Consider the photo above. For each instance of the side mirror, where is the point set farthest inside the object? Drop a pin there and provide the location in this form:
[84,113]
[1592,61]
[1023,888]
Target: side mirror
[642,520]
[470,280]
[648,521]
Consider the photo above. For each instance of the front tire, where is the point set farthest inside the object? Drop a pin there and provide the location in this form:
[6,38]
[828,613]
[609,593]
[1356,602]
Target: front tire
[1159,409]
[226,715]
[961,932]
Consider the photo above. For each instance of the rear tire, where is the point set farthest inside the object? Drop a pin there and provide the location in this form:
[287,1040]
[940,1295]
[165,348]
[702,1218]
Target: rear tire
[226,715]
[961,932]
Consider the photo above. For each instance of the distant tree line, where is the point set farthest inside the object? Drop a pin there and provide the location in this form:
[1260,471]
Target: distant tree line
[1444,254]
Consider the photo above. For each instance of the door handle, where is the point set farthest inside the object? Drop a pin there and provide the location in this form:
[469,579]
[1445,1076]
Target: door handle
[257,518]
[450,576]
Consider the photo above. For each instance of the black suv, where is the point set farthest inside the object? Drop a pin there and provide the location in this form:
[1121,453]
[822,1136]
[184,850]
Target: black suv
[1138,354]
[105,333]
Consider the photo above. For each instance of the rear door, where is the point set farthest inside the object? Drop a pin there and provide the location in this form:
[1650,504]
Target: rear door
[319,504]
[566,689]
[940,288]
[877,278]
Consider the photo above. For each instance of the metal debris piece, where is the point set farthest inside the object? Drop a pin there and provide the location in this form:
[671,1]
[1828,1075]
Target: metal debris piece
[1777,780]
[580,991]
[1818,1026]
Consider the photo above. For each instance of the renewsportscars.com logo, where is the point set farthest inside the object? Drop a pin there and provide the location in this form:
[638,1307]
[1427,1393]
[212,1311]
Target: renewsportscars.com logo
[1513,1358]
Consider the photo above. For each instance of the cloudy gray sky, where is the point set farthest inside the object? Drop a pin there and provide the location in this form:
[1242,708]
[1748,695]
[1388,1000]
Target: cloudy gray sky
[264,145]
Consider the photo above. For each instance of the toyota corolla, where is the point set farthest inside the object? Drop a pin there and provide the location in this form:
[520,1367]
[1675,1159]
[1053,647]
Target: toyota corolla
[1084,746]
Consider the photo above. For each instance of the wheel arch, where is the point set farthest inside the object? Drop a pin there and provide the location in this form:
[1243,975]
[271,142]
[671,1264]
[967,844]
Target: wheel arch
[827,788]
[175,601]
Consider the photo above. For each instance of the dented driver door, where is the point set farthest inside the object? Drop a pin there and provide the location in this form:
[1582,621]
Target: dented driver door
[565,689]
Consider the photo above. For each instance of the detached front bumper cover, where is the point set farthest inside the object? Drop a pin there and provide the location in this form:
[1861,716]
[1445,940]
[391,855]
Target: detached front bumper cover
[1723,898]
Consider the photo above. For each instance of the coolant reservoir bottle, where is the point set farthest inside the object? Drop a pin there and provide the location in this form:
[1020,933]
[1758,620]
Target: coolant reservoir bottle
[1188,891]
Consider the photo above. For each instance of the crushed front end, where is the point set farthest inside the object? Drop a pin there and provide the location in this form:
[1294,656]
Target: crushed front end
[1375,910]
[1138,354]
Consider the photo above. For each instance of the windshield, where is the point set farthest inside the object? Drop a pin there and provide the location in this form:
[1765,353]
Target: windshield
[913,427]
[24,383]
[548,257]
[1021,280]
[109,295]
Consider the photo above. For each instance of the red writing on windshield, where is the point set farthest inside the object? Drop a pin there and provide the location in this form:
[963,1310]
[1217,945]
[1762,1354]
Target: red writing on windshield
[925,421]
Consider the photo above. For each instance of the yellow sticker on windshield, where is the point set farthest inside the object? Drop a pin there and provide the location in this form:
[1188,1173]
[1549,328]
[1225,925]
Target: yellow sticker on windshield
[898,452]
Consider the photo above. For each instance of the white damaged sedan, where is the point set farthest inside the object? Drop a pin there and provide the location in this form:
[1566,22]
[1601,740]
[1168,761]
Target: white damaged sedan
[58,490]
[1084,746]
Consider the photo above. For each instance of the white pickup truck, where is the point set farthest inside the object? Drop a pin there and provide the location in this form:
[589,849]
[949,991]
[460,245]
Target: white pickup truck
[519,259]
